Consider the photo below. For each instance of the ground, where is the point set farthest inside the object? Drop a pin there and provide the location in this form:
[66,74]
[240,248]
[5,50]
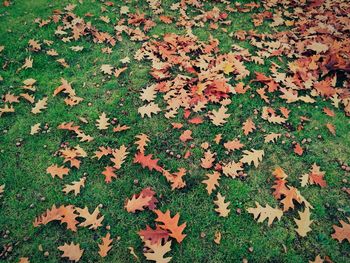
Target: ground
[24,158]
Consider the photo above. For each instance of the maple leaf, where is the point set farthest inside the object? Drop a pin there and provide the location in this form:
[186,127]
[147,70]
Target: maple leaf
[212,182]
[142,142]
[265,213]
[74,187]
[55,170]
[102,122]
[233,145]
[248,126]
[147,161]
[303,223]
[207,161]
[171,224]
[105,247]
[218,116]
[222,207]
[137,203]
[39,106]
[342,232]
[252,156]
[155,236]
[93,221]
[158,252]
[71,251]
[148,109]
[109,174]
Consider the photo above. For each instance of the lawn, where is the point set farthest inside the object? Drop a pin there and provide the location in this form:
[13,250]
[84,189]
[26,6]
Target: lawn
[253,97]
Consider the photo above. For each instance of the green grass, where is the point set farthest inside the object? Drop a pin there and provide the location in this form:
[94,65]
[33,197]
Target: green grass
[23,168]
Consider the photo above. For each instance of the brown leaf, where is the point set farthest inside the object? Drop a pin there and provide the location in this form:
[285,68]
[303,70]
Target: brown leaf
[171,224]
[71,251]
[105,247]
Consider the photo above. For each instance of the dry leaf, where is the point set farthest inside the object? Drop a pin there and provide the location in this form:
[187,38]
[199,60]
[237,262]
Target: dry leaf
[222,207]
[93,221]
[102,122]
[303,223]
[212,182]
[105,247]
[71,251]
[265,213]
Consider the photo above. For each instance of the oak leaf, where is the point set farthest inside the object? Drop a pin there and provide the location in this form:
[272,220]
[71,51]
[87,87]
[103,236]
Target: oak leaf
[248,126]
[137,203]
[252,156]
[158,252]
[303,223]
[93,221]
[119,156]
[109,174]
[233,145]
[147,161]
[208,160]
[74,187]
[232,169]
[39,106]
[105,247]
[155,236]
[218,116]
[212,182]
[342,232]
[71,251]
[102,122]
[148,109]
[142,142]
[265,213]
[171,224]
[58,171]
[222,207]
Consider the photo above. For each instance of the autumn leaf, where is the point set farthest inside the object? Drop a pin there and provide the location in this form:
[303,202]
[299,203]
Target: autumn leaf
[109,174]
[248,126]
[105,247]
[147,161]
[35,129]
[171,224]
[58,171]
[233,145]
[222,207]
[142,142]
[119,156]
[290,194]
[208,160]
[71,251]
[107,69]
[343,232]
[316,176]
[252,156]
[212,182]
[75,186]
[262,213]
[65,214]
[232,169]
[219,117]
[93,221]
[155,236]
[137,203]
[102,122]
[303,223]
[149,109]
[186,136]
[158,252]
[298,149]
[39,106]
